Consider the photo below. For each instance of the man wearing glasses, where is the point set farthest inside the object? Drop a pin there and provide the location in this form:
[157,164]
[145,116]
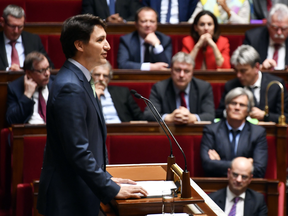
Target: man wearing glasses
[15,43]
[234,137]
[237,198]
[271,41]
[27,96]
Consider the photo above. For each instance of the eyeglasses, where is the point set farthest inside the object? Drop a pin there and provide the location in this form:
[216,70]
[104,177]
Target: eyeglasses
[244,177]
[42,71]
[234,104]
[275,28]
[104,75]
[14,26]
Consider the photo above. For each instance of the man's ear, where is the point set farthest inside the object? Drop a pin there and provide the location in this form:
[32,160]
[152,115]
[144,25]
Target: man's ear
[2,21]
[228,172]
[79,45]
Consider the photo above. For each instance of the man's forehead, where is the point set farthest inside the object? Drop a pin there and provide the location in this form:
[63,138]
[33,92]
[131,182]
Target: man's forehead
[101,69]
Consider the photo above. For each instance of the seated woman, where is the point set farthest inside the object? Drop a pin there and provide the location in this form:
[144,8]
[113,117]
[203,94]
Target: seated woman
[226,11]
[208,49]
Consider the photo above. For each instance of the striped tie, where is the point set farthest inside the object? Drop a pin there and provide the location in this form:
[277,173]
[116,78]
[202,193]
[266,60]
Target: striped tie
[233,209]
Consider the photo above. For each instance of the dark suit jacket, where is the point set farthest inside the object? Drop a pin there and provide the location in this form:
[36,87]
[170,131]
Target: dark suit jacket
[259,39]
[31,42]
[129,51]
[125,8]
[252,144]
[254,203]
[200,99]
[126,107]
[74,179]
[19,107]
[260,8]
[274,97]
[185,7]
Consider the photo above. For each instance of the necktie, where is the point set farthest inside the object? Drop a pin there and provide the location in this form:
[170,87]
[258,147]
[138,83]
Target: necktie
[233,143]
[14,54]
[269,5]
[233,209]
[168,12]
[112,7]
[147,53]
[252,89]
[93,87]
[183,101]
[41,105]
[275,55]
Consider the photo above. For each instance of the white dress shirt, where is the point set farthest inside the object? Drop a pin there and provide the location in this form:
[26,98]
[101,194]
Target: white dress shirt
[229,203]
[174,13]
[258,85]
[108,108]
[281,54]
[20,50]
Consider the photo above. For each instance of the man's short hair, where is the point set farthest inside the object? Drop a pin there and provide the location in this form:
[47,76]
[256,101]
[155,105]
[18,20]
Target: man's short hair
[13,10]
[236,92]
[146,9]
[280,9]
[31,59]
[107,64]
[245,54]
[183,58]
[75,28]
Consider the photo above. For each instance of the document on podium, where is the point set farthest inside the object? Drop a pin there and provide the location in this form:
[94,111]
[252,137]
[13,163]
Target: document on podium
[155,188]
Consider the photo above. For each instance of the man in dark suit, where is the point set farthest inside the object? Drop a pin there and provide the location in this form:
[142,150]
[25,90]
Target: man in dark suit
[234,137]
[183,12]
[15,43]
[245,60]
[261,8]
[237,198]
[182,99]
[145,49]
[74,179]
[124,10]
[271,41]
[117,102]
[26,93]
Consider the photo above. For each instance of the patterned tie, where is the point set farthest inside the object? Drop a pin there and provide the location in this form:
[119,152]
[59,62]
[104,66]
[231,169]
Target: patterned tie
[14,53]
[183,101]
[233,143]
[112,7]
[93,87]
[233,209]
[147,53]
[41,104]
[275,55]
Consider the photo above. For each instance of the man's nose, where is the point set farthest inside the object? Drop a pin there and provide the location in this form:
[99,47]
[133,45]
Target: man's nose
[107,45]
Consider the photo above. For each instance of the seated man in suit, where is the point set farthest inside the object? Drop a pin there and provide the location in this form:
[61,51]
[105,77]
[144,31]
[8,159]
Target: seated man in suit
[182,99]
[145,49]
[15,43]
[237,198]
[246,62]
[27,96]
[117,102]
[271,41]
[234,137]
[113,12]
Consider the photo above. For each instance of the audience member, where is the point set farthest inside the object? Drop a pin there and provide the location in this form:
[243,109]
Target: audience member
[27,96]
[208,49]
[117,102]
[245,60]
[145,49]
[182,99]
[262,7]
[14,42]
[234,11]
[233,137]
[112,11]
[270,41]
[173,11]
[237,198]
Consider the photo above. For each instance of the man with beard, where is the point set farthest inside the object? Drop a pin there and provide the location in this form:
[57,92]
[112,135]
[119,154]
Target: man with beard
[117,102]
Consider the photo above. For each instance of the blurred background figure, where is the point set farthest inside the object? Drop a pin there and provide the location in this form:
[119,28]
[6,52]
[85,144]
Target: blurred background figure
[261,8]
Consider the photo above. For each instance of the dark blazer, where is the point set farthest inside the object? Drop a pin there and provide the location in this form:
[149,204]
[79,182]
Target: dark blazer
[19,107]
[274,97]
[126,107]
[259,39]
[185,7]
[74,179]
[254,203]
[260,8]
[129,51]
[252,144]
[125,8]
[31,42]
[200,99]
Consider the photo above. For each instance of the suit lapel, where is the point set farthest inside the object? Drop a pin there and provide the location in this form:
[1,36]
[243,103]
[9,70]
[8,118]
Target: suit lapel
[244,139]
[226,145]
[261,105]
[263,49]
[3,55]
[221,200]
[135,44]
[248,204]
[193,99]
[286,54]
[172,100]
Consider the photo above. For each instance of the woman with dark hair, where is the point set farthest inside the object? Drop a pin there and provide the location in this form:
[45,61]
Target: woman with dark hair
[208,49]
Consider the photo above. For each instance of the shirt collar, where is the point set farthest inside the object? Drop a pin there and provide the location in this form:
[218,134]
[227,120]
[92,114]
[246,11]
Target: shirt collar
[6,40]
[84,70]
[258,81]
[141,40]
[230,195]
[239,128]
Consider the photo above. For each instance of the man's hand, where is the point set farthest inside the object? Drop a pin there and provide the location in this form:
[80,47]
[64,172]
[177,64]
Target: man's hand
[29,86]
[123,181]
[152,39]
[268,64]
[115,18]
[15,67]
[158,66]
[180,116]
[130,192]
[213,155]
[257,113]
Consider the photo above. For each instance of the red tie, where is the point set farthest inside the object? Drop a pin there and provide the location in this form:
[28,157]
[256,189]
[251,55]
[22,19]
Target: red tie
[14,54]
[41,105]
[269,5]
[183,101]
[275,55]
